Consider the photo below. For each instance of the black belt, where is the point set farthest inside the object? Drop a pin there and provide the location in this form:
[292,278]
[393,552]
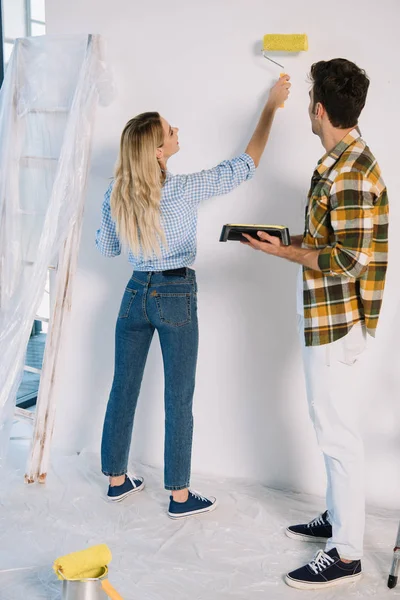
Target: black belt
[181,272]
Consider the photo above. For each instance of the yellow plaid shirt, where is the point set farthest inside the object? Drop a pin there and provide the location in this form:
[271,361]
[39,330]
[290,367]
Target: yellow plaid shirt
[347,219]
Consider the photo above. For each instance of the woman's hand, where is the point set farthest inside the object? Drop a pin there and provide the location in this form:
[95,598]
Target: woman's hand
[277,96]
[279,92]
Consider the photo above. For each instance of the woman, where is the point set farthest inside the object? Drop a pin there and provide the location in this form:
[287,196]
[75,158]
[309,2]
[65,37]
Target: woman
[154,214]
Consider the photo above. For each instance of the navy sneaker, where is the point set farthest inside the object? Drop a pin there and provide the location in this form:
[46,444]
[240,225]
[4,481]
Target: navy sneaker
[318,530]
[131,485]
[326,570]
[194,505]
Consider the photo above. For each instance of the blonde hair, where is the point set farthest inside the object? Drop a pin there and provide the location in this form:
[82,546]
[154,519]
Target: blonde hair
[136,194]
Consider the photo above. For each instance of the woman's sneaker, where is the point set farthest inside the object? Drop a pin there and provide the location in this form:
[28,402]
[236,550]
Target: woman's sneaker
[318,530]
[194,505]
[131,485]
[326,570]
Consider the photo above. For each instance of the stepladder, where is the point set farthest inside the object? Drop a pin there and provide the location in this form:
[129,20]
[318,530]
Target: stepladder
[46,124]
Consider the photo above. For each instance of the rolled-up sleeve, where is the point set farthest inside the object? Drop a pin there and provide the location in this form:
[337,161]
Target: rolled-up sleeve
[106,238]
[352,219]
[220,180]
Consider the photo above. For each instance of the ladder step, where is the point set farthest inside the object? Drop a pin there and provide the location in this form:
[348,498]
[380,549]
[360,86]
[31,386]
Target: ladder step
[42,319]
[32,369]
[61,109]
[24,415]
[38,157]
[30,263]
[38,160]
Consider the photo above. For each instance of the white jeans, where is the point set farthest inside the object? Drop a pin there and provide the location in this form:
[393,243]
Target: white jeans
[332,374]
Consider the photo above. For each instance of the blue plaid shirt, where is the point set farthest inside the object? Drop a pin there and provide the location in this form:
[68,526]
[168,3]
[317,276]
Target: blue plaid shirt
[181,195]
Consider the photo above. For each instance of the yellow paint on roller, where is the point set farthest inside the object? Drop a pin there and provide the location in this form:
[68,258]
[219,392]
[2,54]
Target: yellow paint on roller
[85,564]
[282,42]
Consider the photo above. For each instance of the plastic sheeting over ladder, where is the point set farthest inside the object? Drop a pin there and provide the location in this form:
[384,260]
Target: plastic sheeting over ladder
[47,112]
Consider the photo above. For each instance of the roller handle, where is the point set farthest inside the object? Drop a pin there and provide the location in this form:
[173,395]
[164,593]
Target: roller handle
[282,75]
[110,591]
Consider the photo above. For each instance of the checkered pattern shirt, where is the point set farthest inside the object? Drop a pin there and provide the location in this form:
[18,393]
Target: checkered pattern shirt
[347,219]
[181,195]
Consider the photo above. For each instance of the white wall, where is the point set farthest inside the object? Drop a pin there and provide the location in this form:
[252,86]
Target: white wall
[199,64]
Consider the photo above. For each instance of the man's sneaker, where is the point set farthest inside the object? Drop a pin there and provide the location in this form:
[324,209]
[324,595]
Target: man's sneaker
[131,485]
[194,505]
[326,570]
[318,530]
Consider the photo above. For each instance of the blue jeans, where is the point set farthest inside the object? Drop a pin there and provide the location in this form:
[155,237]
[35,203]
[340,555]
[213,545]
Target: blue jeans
[166,301]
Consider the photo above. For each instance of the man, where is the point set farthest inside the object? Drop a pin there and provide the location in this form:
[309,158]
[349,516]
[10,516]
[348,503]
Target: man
[343,254]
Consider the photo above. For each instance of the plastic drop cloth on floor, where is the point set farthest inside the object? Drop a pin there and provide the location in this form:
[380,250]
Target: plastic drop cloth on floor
[238,551]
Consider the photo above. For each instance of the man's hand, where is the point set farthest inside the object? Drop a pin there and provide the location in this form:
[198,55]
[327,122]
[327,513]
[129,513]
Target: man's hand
[273,245]
[269,244]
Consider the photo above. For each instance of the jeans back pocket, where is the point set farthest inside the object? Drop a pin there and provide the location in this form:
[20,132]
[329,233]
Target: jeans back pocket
[126,303]
[174,309]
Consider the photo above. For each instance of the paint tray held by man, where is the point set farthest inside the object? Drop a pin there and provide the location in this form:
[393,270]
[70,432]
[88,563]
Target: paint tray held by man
[234,232]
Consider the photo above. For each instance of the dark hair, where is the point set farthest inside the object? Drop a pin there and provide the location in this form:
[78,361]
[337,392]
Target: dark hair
[341,87]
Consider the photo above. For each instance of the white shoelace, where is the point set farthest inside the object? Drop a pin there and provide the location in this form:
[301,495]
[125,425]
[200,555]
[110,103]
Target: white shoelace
[132,479]
[320,562]
[318,521]
[198,496]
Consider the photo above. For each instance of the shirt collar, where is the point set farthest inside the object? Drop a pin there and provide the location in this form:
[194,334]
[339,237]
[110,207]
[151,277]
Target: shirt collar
[329,159]
[167,174]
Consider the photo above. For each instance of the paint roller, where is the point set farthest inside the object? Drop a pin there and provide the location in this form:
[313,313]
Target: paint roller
[283,42]
[91,563]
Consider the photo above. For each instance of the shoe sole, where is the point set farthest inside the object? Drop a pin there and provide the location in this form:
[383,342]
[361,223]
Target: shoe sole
[302,585]
[175,517]
[123,496]
[304,538]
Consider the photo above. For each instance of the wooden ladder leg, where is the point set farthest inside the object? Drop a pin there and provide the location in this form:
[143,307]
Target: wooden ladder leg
[38,461]
[394,571]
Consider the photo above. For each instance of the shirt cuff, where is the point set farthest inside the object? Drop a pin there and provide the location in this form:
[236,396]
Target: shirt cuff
[324,260]
[250,163]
